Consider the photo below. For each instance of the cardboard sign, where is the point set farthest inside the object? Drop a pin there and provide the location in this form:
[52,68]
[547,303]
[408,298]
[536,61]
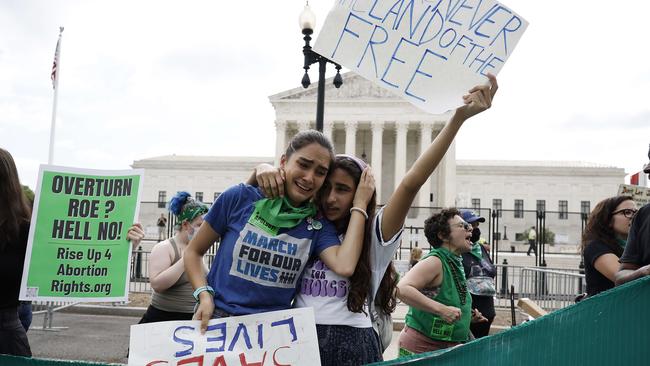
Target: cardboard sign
[430,52]
[640,195]
[275,338]
[78,248]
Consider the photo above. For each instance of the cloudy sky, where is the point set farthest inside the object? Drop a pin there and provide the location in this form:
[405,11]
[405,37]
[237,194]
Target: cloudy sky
[148,78]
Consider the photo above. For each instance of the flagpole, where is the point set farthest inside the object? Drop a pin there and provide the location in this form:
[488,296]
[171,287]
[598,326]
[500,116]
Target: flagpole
[55,83]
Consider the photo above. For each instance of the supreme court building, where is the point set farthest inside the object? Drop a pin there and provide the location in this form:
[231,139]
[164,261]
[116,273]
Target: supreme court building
[369,122]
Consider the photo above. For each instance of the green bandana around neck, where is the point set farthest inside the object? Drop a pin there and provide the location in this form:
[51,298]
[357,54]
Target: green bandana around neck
[621,242]
[272,214]
[476,251]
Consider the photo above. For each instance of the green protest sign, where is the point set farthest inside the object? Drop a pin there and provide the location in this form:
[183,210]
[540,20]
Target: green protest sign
[78,248]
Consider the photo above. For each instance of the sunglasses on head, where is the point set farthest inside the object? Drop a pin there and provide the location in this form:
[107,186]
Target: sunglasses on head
[627,212]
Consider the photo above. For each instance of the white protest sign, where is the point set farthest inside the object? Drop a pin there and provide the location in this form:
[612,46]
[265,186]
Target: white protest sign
[430,52]
[640,195]
[275,338]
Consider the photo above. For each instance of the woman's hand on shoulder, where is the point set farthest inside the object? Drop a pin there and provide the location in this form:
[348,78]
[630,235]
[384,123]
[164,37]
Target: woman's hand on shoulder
[270,179]
[135,234]
[479,99]
[365,189]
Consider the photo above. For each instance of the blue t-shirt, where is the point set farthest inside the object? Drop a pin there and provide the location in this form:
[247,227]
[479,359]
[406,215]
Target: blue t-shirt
[254,271]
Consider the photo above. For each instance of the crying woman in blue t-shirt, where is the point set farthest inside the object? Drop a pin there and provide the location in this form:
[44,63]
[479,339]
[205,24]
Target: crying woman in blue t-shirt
[266,243]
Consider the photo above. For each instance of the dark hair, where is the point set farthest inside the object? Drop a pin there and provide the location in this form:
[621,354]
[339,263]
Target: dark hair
[304,138]
[438,224]
[14,209]
[386,298]
[185,208]
[599,224]
[177,202]
[360,279]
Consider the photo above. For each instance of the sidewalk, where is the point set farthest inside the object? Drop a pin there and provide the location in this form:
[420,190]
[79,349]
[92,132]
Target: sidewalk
[98,338]
[100,333]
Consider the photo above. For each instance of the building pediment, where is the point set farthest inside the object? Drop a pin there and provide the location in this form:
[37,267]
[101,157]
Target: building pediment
[354,88]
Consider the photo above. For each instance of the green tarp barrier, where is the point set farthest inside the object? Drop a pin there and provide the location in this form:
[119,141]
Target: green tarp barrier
[612,328]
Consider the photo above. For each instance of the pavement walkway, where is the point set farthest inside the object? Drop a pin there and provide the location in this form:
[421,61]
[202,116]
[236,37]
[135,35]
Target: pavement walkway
[99,338]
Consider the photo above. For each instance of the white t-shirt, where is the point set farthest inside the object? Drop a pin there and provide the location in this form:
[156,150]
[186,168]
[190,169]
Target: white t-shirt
[327,292]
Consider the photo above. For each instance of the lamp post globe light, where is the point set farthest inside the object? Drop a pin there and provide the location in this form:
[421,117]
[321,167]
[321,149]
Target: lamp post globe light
[307,22]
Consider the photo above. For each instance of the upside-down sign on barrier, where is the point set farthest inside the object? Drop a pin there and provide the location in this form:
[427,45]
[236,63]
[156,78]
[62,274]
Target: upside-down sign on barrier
[285,337]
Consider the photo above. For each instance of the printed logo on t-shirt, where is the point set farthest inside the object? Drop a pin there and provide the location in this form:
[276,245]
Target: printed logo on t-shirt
[320,281]
[267,260]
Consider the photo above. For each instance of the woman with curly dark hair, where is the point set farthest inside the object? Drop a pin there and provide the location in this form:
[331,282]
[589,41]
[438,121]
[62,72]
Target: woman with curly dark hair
[440,306]
[604,239]
[15,216]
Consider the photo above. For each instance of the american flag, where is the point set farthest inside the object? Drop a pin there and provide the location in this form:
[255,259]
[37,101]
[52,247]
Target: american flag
[56,60]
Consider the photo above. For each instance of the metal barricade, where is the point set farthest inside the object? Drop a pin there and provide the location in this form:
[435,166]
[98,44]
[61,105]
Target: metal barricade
[139,282]
[48,308]
[551,288]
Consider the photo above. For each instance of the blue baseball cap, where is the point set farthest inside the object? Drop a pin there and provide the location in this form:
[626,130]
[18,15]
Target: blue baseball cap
[471,216]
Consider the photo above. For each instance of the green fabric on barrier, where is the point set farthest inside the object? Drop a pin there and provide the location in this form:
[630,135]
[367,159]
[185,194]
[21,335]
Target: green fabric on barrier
[608,329]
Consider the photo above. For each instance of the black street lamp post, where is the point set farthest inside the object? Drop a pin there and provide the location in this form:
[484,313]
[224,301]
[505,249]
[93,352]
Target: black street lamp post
[307,24]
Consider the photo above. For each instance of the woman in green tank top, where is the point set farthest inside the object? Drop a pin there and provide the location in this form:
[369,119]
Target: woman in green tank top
[440,307]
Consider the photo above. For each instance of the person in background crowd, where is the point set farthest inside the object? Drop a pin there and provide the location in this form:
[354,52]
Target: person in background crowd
[416,255]
[15,216]
[532,236]
[604,239]
[635,262]
[440,307]
[480,273]
[161,223]
[172,292]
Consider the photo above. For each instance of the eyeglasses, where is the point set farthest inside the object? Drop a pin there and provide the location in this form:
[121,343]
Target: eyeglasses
[627,212]
[463,225]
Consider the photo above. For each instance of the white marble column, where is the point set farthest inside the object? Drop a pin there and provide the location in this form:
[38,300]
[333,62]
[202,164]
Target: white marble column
[377,142]
[351,137]
[328,127]
[280,139]
[401,128]
[303,125]
[425,140]
[447,178]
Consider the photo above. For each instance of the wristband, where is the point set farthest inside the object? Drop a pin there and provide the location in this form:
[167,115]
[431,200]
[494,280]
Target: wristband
[359,210]
[198,291]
